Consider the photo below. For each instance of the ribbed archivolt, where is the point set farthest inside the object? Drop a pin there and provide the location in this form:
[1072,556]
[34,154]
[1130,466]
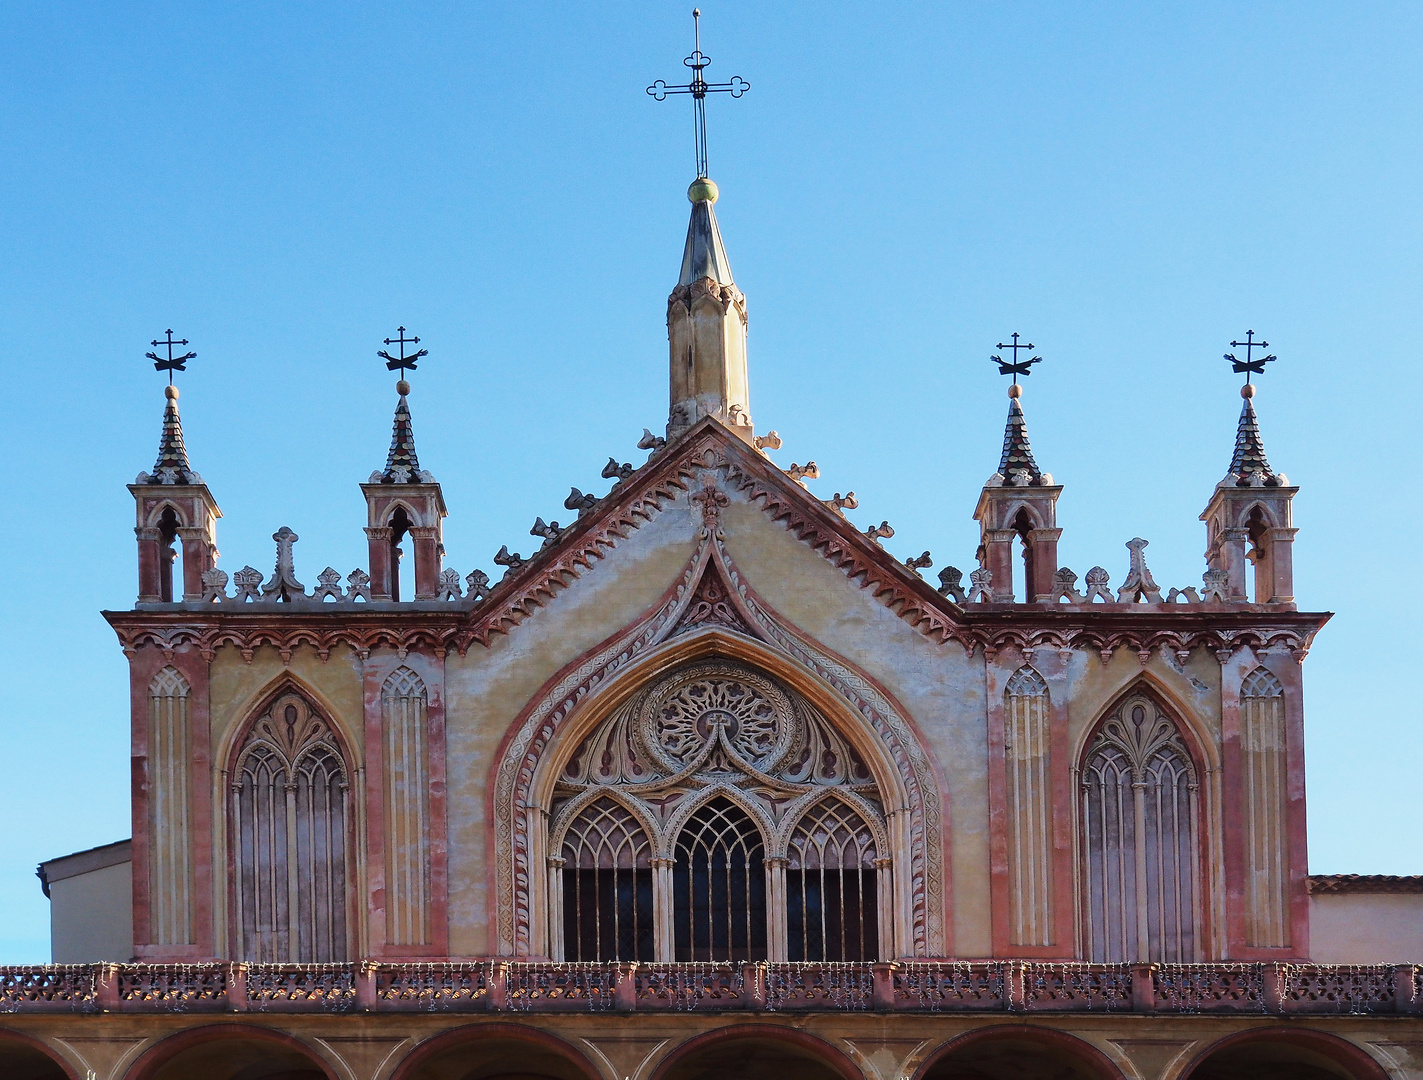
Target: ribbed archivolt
[404,701]
[169,806]
[1142,864]
[1262,720]
[1025,730]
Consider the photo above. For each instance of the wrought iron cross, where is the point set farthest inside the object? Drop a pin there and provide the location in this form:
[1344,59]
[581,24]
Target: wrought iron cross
[699,88]
[1016,367]
[402,361]
[1249,365]
[170,363]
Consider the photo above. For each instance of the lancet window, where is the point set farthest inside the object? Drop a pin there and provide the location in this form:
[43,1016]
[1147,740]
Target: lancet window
[717,816]
[169,807]
[1140,837]
[606,886]
[1025,746]
[289,820]
[832,899]
[407,807]
[1262,727]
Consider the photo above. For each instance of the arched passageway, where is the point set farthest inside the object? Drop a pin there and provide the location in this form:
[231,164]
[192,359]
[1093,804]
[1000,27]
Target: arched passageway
[756,1052]
[230,1052]
[23,1058]
[495,1052]
[1284,1054]
[1017,1053]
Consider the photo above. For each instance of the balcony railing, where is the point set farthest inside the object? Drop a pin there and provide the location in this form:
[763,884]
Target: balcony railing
[902,986]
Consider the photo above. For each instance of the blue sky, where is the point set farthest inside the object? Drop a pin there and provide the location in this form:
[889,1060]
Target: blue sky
[1132,186]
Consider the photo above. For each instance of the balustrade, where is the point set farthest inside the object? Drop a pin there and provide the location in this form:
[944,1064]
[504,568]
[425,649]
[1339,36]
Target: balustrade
[902,986]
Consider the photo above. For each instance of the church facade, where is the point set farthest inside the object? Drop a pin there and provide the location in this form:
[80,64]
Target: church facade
[712,784]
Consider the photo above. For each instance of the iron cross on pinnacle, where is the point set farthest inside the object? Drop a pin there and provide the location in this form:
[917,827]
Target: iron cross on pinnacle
[699,88]
[170,363]
[1016,367]
[402,361]
[1249,365]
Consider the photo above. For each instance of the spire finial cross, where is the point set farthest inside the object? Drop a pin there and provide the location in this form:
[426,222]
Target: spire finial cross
[402,361]
[1249,365]
[170,363]
[699,88]
[1016,367]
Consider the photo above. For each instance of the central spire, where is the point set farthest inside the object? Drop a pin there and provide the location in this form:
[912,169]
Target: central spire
[706,328]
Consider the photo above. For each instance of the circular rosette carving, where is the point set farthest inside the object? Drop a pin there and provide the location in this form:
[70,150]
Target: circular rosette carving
[685,712]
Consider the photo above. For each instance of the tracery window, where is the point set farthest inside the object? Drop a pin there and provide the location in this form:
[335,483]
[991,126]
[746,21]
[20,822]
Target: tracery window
[607,885]
[1141,858]
[289,812]
[1262,729]
[832,903]
[678,821]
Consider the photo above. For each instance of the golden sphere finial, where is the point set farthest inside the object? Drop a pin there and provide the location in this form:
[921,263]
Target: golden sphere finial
[1015,391]
[402,388]
[170,392]
[1248,390]
[702,190]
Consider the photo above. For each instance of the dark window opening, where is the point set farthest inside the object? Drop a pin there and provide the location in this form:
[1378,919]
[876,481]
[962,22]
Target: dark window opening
[170,553]
[399,526]
[719,886]
[607,914]
[832,915]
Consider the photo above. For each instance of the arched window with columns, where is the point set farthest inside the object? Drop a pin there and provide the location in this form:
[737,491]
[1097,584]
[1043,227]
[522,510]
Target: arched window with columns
[601,895]
[832,900]
[716,815]
[1140,838]
[289,816]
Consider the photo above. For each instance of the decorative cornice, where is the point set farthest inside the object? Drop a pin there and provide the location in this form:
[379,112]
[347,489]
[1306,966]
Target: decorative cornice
[670,472]
[1366,883]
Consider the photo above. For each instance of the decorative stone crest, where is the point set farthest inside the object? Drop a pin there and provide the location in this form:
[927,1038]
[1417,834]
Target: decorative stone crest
[711,499]
[283,585]
[1139,584]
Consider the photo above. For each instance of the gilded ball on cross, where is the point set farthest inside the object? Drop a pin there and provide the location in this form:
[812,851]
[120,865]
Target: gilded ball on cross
[402,388]
[1248,390]
[170,392]
[1015,391]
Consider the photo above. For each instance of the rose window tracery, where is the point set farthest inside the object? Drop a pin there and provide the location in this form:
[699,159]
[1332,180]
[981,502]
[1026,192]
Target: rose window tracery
[753,716]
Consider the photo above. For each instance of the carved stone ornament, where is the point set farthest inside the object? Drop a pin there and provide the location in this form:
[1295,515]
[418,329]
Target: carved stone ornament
[449,585]
[328,583]
[801,473]
[1139,585]
[359,585]
[951,584]
[248,582]
[214,585]
[284,585]
[477,581]
[980,586]
[1064,587]
[919,562]
[747,711]
[1099,586]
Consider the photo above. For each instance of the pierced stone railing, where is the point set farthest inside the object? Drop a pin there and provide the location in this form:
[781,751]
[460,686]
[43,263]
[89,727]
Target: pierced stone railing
[531,986]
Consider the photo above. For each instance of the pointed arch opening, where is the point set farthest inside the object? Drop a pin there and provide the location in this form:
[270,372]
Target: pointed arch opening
[719,885]
[290,843]
[1140,834]
[833,902]
[400,524]
[170,556]
[604,860]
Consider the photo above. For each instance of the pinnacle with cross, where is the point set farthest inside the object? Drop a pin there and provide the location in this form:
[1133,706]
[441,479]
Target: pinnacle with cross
[1249,365]
[170,363]
[699,88]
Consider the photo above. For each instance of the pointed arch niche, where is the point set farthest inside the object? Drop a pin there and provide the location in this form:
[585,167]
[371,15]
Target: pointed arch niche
[290,835]
[708,770]
[1141,837]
